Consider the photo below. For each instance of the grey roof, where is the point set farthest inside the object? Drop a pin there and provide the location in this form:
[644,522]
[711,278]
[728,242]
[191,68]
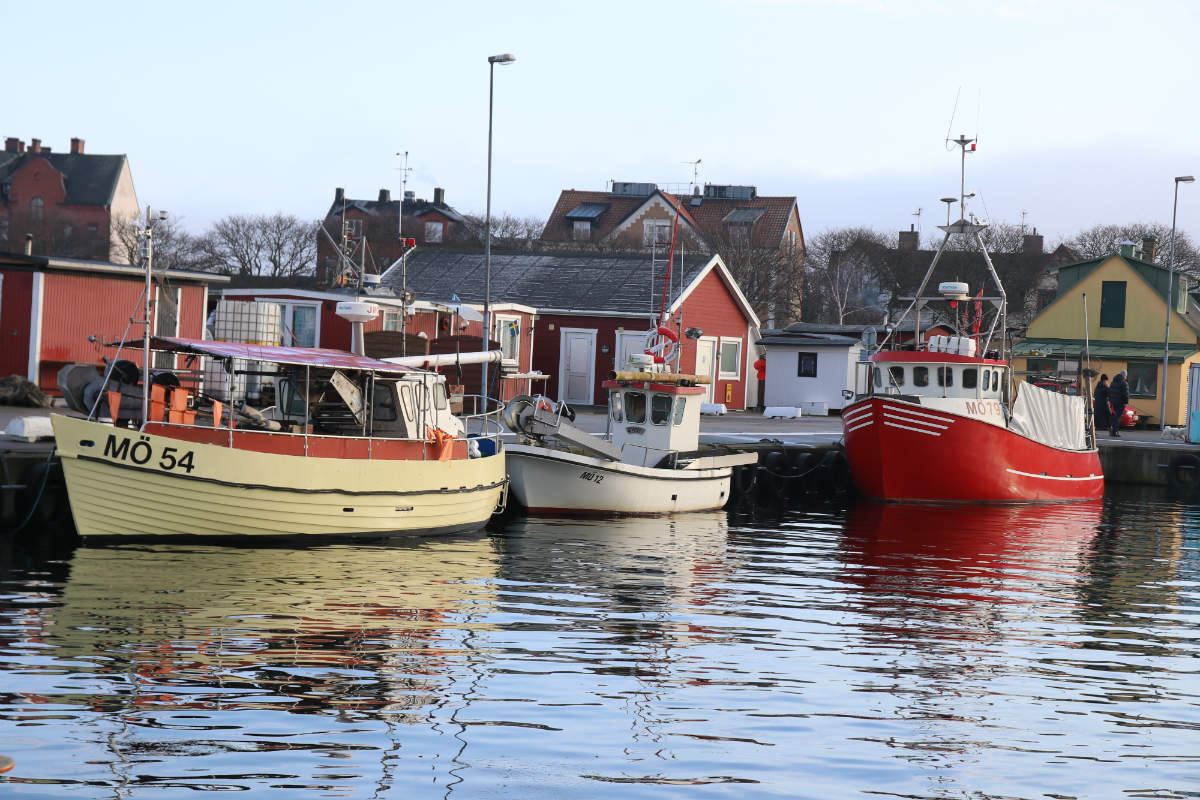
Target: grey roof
[610,283]
[91,180]
[412,208]
[807,339]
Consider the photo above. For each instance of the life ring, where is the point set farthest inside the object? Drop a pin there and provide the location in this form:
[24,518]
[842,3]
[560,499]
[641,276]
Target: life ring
[1183,474]
[662,351]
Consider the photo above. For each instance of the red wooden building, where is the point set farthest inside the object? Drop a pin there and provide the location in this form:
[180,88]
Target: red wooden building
[592,310]
[50,306]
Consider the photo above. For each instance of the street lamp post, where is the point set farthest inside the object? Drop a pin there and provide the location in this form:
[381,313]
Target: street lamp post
[503,58]
[1162,411]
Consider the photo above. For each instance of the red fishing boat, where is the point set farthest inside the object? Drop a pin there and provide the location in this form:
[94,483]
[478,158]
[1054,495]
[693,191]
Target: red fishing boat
[943,419]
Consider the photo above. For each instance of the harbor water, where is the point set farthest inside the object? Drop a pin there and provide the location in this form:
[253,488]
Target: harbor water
[813,651]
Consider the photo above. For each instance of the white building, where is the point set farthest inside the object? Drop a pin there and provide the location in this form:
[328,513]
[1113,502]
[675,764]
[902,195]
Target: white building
[809,365]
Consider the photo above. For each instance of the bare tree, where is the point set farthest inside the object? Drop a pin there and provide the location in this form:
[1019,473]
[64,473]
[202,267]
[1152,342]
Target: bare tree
[847,270]
[508,230]
[1100,240]
[174,247]
[276,245]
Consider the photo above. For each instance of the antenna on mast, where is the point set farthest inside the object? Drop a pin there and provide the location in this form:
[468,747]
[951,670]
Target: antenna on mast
[695,171]
[917,214]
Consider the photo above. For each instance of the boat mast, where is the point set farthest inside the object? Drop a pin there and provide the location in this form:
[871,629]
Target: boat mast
[145,236]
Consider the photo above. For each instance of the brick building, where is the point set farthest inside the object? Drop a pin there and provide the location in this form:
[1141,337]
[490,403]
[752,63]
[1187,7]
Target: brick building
[68,204]
[372,234]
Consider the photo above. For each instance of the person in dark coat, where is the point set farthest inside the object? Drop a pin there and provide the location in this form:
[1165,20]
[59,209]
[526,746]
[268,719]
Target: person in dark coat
[1100,404]
[1118,396]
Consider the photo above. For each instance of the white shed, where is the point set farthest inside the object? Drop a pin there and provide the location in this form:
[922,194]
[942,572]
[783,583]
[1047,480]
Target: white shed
[809,365]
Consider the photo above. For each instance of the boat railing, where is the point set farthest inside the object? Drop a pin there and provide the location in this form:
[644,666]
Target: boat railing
[485,422]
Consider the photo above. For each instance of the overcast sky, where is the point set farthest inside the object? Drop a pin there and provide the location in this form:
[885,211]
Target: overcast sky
[1085,111]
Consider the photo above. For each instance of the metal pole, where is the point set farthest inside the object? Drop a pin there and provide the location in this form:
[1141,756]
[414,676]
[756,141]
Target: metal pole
[487,240]
[403,260]
[1162,411]
[146,232]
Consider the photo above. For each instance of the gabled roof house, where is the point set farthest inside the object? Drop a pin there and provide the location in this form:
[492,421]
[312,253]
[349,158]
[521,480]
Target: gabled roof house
[593,309]
[64,204]
[1120,302]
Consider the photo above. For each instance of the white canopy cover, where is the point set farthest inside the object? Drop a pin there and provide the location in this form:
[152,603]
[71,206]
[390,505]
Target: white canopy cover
[1048,417]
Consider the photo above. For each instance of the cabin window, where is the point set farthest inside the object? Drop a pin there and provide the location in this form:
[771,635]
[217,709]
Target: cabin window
[440,400]
[406,400]
[945,376]
[895,376]
[385,402]
[806,366]
[878,377]
[1112,304]
[970,378]
[635,407]
[660,409]
[680,406]
[614,406]
[920,376]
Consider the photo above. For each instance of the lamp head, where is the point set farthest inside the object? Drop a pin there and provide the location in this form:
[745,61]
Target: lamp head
[1185,179]
[503,58]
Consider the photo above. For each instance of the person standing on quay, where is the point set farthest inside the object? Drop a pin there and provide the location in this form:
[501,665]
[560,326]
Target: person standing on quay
[1100,404]
[1118,396]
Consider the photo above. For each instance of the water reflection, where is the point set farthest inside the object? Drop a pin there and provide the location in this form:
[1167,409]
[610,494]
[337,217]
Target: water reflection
[821,651]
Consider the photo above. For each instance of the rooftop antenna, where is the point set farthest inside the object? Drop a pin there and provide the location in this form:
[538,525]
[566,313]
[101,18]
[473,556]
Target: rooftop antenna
[695,171]
[1024,212]
[917,214]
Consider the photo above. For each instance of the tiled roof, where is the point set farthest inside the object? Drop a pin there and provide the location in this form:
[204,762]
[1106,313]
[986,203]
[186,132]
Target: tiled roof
[91,180]
[769,215]
[618,284]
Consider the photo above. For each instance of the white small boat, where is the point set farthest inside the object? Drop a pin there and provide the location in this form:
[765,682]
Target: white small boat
[650,462]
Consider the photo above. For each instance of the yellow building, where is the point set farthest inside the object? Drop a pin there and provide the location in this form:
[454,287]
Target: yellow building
[1126,303]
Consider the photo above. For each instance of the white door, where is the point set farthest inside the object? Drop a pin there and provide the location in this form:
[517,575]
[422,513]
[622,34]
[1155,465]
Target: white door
[706,362]
[628,343]
[577,366]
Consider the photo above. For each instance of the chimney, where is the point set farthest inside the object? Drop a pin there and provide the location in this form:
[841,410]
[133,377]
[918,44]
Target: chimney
[439,197]
[1032,244]
[385,195]
[76,145]
[909,240]
[696,191]
[1149,247]
[29,244]
[13,145]
[35,145]
[339,195]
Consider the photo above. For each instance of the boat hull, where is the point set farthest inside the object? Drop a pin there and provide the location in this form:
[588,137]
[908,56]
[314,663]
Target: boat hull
[903,451]
[124,483]
[548,481]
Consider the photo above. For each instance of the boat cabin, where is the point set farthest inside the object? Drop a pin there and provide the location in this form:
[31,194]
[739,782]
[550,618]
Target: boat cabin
[947,368]
[653,416]
[404,407]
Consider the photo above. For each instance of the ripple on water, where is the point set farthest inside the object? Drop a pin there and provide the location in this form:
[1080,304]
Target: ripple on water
[908,651]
